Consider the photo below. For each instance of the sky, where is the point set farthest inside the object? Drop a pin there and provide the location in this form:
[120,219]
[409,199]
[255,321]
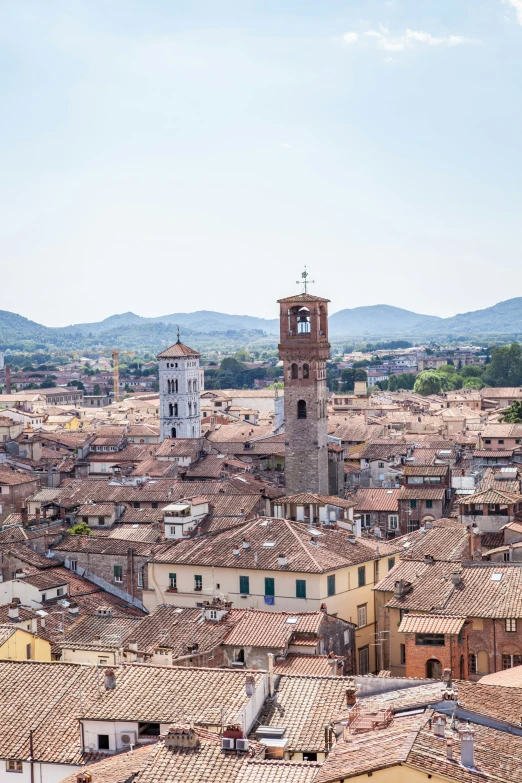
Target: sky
[162,156]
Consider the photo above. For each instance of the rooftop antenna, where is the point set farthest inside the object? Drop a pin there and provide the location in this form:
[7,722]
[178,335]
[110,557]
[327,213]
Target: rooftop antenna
[304,281]
[177,327]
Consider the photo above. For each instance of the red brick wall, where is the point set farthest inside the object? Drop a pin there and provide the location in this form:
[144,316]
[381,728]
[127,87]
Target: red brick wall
[494,640]
[449,656]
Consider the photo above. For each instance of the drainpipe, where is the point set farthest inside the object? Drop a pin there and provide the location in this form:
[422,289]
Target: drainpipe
[31,757]
[494,645]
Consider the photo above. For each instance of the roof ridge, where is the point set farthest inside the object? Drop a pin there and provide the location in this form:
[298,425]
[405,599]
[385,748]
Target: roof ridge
[294,533]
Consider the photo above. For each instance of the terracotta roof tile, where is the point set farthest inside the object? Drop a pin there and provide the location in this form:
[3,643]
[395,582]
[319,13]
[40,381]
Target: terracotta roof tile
[431,623]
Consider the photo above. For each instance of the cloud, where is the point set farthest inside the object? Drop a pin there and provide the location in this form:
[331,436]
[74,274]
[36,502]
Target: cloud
[390,60]
[412,38]
[288,146]
[517,5]
[350,38]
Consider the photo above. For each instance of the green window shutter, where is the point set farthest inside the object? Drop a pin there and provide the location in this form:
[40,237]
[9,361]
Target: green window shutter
[269,585]
[172,580]
[118,573]
[244,585]
[413,504]
[429,504]
[391,563]
[331,585]
[361,573]
[300,588]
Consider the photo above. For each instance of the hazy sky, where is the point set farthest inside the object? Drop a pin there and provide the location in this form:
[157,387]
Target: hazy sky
[173,155]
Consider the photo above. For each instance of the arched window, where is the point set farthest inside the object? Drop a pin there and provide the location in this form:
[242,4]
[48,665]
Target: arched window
[303,321]
[483,662]
[171,409]
[323,322]
[472,663]
[175,409]
[306,370]
[301,409]
[190,409]
[173,432]
[294,371]
[168,387]
[433,669]
[176,385]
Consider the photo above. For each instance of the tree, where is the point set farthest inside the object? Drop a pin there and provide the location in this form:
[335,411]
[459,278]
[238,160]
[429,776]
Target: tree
[347,379]
[428,382]
[96,389]
[404,381]
[470,371]
[81,529]
[505,368]
[48,383]
[473,383]
[447,369]
[513,414]
[361,375]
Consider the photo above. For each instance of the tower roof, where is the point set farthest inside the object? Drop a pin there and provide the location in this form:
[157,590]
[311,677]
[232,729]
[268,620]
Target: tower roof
[303,298]
[177,351]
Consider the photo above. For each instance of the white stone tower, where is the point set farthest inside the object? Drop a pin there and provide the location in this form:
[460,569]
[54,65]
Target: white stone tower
[179,388]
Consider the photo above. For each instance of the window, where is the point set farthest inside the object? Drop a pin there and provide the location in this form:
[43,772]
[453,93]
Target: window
[393,521]
[44,596]
[103,742]
[198,582]
[403,655]
[59,591]
[294,371]
[148,729]
[500,441]
[154,505]
[362,615]
[331,585]
[300,588]
[306,371]
[429,504]
[511,625]
[14,766]
[118,573]
[173,582]
[366,520]
[101,520]
[269,586]
[472,663]
[136,504]
[380,465]
[413,504]
[508,661]
[244,585]
[391,563]
[73,564]
[301,409]
[488,440]
[140,578]
[85,520]
[28,651]
[361,576]
[413,524]
[430,639]
[364,660]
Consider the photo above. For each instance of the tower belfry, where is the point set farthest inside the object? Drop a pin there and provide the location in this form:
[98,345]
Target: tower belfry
[179,387]
[304,350]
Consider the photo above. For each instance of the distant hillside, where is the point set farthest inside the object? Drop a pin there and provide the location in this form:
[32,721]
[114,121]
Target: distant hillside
[377,320]
[128,330]
[502,318]
[200,321]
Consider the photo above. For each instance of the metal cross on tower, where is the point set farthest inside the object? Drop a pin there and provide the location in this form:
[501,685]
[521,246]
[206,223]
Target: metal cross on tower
[304,281]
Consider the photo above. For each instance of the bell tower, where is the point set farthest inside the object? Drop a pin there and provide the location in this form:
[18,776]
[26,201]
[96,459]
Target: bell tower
[304,349]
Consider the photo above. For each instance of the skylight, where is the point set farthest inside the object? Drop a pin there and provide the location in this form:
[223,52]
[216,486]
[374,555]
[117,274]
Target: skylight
[292,620]
[269,543]
[496,577]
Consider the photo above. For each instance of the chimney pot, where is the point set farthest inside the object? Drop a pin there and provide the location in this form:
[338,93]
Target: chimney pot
[456,579]
[13,611]
[439,726]
[467,746]
[282,561]
[110,679]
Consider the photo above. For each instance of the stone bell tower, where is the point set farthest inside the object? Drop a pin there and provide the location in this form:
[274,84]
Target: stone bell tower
[179,388]
[304,349]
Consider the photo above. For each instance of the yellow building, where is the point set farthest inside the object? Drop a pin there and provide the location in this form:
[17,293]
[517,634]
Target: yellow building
[278,564]
[17,644]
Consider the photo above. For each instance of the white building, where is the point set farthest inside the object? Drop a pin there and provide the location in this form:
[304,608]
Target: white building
[179,386]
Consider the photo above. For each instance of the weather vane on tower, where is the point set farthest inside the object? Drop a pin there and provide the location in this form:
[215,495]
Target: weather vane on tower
[304,281]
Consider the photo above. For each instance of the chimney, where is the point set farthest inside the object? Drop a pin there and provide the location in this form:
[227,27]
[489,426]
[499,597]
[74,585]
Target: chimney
[8,379]
[250,685]
[429,559]
[235,551]
[334,666]
[449,748]
[351,696]
[439,726]
[13,612]
[110,679]
[467,746]
[25,516]
[271,674]
[510,551]
[246,544]
[83,777]
[181,737]
[73,608]
[282,561]
[456,579]
[37,515]
[133,645]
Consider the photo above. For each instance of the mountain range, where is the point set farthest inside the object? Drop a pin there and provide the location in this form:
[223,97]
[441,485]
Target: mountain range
[375,321]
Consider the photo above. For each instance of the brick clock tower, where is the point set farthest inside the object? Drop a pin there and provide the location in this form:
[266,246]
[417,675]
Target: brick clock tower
[304,349]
